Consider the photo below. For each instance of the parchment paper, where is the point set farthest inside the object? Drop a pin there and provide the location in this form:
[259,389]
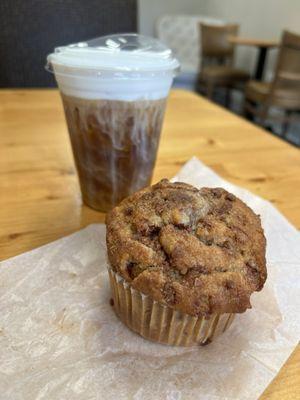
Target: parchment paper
[59,337]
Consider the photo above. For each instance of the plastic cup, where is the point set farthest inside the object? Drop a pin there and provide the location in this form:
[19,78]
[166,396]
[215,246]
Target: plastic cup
[114,91]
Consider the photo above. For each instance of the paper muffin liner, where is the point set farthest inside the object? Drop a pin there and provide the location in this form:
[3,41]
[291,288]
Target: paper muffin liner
[158,322]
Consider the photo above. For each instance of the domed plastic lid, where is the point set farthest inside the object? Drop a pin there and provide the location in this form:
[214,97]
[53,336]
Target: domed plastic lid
[124,53]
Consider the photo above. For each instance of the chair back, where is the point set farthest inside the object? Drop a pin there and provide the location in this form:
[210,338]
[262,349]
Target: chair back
[285,88]
[215,44]
[30,30]
[181,34]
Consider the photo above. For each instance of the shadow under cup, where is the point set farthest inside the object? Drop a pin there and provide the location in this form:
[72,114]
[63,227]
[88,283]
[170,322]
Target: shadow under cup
[114,134]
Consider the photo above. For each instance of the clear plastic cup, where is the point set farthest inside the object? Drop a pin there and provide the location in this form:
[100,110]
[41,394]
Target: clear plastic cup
[114,91]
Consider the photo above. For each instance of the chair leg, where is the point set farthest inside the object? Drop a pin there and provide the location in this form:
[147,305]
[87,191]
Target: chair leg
[209,90]
[227,98]
[263,115]
[246,113]
[286,123]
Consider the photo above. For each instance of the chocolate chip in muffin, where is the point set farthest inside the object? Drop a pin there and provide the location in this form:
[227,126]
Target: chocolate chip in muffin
[229,284]
[169,294]
[230,197]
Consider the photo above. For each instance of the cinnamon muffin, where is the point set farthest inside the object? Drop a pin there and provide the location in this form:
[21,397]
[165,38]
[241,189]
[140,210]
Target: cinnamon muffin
[183,261]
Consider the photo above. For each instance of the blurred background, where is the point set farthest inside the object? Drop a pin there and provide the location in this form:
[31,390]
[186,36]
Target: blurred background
[244,55]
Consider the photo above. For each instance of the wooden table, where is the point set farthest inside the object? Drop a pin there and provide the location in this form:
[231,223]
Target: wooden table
[262,45]
[39,192]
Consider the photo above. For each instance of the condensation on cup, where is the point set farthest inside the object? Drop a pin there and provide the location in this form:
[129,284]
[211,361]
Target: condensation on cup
[114,90]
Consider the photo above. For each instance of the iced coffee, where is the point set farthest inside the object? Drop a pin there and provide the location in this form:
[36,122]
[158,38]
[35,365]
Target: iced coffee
[114,145]
[114,92]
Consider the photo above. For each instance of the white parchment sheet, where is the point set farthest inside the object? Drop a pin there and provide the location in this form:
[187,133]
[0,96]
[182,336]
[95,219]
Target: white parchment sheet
[60,339]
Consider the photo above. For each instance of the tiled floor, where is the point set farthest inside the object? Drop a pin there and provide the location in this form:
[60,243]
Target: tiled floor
[293,133]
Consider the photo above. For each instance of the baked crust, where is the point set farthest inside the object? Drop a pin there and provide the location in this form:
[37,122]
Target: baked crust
[198,251]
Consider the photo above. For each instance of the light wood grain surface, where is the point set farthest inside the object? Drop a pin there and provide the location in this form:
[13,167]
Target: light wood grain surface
[39,193]
[244,41]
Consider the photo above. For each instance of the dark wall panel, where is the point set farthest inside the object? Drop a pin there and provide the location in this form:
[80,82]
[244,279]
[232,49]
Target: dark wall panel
[30,29]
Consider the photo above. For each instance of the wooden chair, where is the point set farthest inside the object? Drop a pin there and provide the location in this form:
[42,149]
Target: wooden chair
[283,91]
[217,60]
[181,34]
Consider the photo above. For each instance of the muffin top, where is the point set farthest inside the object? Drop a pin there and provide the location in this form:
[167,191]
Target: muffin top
[197,251]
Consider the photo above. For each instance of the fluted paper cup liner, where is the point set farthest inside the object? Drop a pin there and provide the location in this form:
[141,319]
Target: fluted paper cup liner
[158,322]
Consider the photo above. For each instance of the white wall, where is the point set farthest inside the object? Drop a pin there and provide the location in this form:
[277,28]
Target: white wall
[150,10]
[263,19]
